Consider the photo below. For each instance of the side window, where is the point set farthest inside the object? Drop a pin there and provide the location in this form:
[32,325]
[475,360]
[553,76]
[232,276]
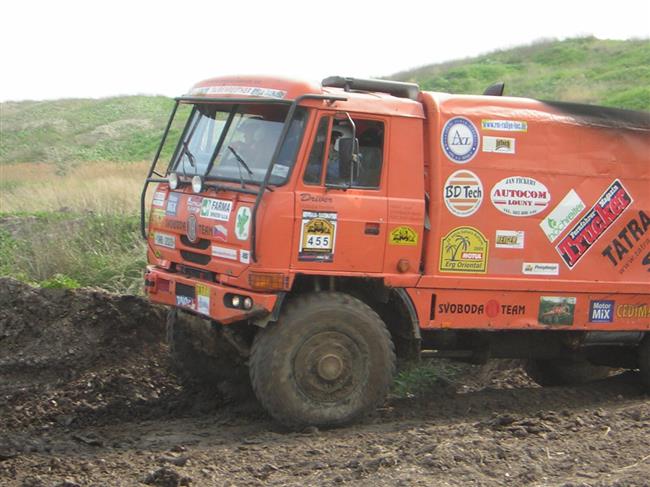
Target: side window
[314,167]
[366,172]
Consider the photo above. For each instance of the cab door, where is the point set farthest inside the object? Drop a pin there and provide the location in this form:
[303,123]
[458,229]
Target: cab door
[342,227]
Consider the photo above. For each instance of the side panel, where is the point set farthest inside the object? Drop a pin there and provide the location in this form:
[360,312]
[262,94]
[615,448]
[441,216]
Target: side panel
[531,200]
[405,229]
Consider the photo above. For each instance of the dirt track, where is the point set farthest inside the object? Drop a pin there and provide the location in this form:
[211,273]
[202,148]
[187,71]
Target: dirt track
[86,399]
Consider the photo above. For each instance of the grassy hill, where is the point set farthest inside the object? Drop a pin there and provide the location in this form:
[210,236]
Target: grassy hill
[614,73]
[109,129]
[584,70]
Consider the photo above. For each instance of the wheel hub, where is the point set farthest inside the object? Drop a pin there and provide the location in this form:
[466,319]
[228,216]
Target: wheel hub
[330,367]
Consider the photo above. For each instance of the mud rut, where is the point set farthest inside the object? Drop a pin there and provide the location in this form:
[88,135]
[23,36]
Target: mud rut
[86,398]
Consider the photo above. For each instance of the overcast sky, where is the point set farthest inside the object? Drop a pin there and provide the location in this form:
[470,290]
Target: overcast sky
[94,48]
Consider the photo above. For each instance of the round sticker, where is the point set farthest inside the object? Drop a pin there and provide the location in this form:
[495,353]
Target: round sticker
[460,140]
[463,193]
[520,196]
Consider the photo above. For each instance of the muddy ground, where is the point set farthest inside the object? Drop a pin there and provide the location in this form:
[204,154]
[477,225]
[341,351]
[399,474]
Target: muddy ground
[86,398]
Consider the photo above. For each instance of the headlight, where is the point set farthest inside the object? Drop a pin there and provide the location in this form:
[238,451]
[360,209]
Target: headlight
[236,301]
[173,180]
[248,303]
[197,184]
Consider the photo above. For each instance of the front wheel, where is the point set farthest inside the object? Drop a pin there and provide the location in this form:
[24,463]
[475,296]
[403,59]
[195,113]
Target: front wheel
[328,361]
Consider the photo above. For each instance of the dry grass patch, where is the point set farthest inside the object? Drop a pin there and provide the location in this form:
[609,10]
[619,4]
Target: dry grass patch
[101,187]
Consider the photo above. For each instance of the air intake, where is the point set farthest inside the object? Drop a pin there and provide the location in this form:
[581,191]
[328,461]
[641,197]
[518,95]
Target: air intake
[495,90]
[395,88]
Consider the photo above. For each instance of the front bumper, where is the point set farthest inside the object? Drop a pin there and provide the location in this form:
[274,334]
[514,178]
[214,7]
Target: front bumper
[203,297]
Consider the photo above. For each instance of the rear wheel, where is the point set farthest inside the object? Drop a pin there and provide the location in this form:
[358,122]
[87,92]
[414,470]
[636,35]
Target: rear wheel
[644,361]
[328,361]
[548,373]
[200,356]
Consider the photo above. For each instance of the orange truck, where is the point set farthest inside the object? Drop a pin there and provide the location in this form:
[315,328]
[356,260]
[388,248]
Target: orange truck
[312,235]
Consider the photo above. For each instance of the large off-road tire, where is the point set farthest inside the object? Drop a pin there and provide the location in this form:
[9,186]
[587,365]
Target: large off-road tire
[328,361]
[199,354]
[644,361]
[549,373]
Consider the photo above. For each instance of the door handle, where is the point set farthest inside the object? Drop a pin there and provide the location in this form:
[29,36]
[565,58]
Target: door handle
[371,228]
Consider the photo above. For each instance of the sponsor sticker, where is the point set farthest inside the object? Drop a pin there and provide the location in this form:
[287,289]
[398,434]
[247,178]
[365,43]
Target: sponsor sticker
[242,222]
[238,90]
[245,256]
[194,204]
[164,240]
[492,308]
[609,207]
[216,209]
[502,145]
[562,215]
[203,299]
[601,311]
[463,193]
[158,199]
[280,170]
[185,301]
[177,225]
[317,236]
[505,125]
[633,311]
[224,252]
[460,140]
[403,236]
[509,239]
[630,243]
[464,249]
[157,216]
[556,311]
[520,196]
[219,232]
[540,268]
[172,204]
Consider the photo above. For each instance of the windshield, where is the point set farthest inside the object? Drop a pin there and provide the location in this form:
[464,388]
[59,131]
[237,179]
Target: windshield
[240,140]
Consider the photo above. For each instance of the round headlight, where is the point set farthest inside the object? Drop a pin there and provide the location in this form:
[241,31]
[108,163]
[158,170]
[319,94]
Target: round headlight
[236,300]
[173,180]
[197,184]
[248,303]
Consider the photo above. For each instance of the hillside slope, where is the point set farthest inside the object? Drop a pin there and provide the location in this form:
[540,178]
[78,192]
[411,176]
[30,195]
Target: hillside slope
[587,70]
[111,129]
[584,70]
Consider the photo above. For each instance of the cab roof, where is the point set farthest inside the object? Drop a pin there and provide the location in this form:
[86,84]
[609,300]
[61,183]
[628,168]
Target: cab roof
[359,97]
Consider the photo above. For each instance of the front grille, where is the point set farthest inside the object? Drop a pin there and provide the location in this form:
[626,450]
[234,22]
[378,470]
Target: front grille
[196,273]
[202,244]
[201,259]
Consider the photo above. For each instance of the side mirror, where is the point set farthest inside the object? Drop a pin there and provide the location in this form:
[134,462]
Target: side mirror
[348,149]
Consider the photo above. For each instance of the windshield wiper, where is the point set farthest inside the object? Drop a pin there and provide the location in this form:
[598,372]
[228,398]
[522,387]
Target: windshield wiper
[188,152]
[241,164]
[240,160]
[185,151]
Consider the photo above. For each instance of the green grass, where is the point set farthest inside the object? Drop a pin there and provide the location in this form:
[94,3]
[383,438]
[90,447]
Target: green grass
[422,379]
[583,70]
[109,129]
[52,250]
